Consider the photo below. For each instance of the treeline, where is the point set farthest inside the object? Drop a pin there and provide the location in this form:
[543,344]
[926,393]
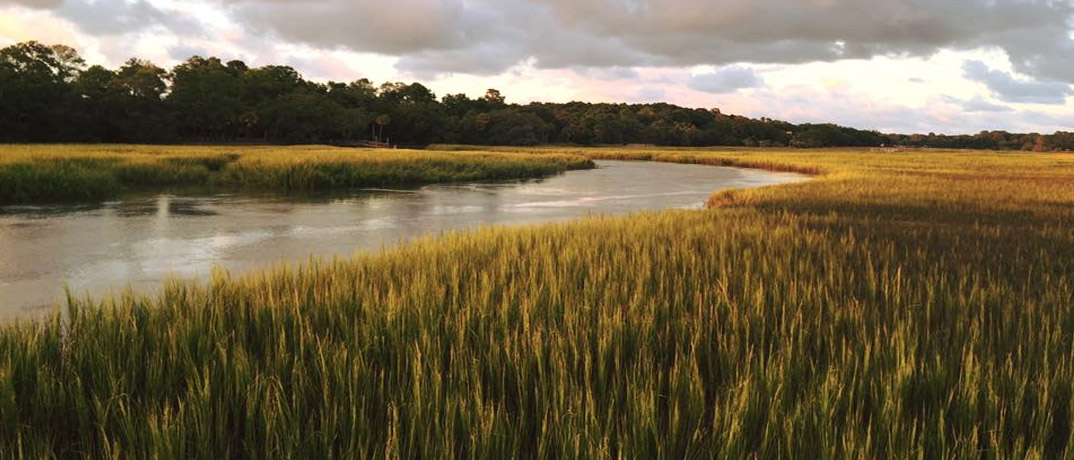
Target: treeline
[993,140]
[48,94]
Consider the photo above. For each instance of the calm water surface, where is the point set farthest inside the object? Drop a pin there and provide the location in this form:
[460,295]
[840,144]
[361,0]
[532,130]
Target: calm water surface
[142,239]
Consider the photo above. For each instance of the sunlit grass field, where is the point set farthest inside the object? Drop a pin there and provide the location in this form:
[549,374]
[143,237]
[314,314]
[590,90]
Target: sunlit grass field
[41,173]
[900,305]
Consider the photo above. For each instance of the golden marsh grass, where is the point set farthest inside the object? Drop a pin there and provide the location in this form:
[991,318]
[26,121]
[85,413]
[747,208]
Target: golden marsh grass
[41,173]
[899,306]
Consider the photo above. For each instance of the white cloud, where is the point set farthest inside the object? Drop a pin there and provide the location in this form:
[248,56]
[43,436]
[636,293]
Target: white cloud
[18,25]
[726,80]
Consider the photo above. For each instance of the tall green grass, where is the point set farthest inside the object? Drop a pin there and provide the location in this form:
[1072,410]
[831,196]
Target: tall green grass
[40,173]
[898,306]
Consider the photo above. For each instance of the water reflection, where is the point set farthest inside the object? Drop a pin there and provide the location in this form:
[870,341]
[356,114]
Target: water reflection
[144,238]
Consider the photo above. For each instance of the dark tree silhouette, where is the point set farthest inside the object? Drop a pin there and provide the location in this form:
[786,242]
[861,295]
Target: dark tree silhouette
[48,95]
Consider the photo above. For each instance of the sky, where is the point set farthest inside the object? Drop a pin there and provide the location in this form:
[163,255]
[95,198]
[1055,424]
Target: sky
[905,66]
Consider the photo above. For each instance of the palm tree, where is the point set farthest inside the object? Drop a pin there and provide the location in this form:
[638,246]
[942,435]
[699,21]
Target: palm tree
[381,121]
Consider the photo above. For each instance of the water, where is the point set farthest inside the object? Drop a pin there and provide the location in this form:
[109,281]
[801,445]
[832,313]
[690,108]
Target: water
[142,239]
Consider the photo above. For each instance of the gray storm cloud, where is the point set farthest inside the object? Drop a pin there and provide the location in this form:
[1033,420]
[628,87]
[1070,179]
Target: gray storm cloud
[113,17]
[489,36]
[40,4]
[395,27]
[1010,89]
[118,17]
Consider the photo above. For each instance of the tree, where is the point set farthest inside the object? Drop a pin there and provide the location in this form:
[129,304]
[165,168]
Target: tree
[356,94]
[38,97]
[1061,140]
[492,100]
[207,97]
[305,116]
[95,83]
[146,116]
[142,79]
[56,63]
[47,94]
[458,105]
[380,122]
[514,127]
[101,105]
[269,82]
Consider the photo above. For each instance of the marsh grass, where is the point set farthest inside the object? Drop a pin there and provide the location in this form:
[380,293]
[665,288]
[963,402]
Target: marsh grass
[42,173]
[898,306]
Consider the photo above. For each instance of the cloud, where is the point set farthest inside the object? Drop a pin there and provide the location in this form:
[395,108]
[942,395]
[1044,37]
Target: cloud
[1045,122]
[183,52]
[650,95]
[726,80]
[639,50]
[322,66]
[120,17]
[397,27]
[113,17]
[939,114]
[979,104]
[1010,89]
[608,73]
[489,36]
[486,37]
[37,4]
[24,25]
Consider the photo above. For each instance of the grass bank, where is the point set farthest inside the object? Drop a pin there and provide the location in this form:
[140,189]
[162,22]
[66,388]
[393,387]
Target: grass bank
[41,173]
[899,306]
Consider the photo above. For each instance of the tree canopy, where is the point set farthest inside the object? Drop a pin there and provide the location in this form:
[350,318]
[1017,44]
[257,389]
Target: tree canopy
[49,95]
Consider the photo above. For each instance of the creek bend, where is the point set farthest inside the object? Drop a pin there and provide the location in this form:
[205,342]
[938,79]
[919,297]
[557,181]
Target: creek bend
[142,239]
